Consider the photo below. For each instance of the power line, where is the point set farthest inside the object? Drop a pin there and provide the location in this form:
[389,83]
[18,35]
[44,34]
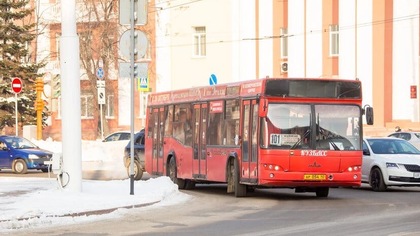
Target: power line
[342,28]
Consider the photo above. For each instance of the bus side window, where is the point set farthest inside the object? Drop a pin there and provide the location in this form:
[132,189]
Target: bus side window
[215,130]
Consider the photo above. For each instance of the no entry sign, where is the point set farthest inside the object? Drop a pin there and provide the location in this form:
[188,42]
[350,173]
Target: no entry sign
[16,85]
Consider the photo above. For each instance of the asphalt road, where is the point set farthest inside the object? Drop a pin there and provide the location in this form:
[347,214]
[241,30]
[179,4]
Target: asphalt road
[212,212]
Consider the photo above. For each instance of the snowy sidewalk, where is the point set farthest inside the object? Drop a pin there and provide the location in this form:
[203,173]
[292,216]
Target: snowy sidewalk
[40,202]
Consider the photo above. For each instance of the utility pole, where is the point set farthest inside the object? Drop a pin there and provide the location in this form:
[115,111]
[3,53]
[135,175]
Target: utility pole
[71,177]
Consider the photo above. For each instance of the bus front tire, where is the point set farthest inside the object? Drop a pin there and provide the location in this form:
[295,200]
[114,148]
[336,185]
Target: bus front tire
[240,189]
[173,174]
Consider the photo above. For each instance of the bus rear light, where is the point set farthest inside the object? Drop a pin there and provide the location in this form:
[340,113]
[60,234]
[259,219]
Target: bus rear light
[355,177]
[271,175]
[330,177]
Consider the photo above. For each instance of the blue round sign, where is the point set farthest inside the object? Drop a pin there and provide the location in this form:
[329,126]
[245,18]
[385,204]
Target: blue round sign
[213,79]
[100,73]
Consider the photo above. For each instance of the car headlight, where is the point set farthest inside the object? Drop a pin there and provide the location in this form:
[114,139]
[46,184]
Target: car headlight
[33,156]
[391,165]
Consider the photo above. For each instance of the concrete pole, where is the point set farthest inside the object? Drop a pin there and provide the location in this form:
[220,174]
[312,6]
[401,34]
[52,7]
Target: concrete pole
[70,98]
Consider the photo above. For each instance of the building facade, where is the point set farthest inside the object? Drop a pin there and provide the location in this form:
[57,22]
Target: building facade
[375,41]
[103,56]
[194,43]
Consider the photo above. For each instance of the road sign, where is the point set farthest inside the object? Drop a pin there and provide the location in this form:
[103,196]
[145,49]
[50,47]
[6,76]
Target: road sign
[213,79]
[101,96]
[143,84]
[17,85]
[100,84]
[100,73]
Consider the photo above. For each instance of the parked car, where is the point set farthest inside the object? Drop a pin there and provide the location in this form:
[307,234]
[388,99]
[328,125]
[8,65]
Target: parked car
[117,136]
[412,137]
[390,161]
[138,155]
[20,155]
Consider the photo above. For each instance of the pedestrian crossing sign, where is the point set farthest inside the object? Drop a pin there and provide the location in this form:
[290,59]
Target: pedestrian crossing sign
[143,84]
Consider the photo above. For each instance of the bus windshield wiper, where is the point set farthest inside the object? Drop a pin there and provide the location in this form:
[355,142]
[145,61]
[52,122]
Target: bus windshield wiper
[300,140]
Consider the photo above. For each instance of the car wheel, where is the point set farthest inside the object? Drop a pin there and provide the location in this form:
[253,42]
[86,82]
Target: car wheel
[19,166]
[173,174]
[138,170]
[377,181]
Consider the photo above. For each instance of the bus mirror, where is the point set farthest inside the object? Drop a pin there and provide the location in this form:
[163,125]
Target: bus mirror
[263,107]
[368,110]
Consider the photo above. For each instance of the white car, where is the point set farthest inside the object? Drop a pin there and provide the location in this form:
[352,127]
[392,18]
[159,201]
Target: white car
[117,136]
[390,161]
[410,136]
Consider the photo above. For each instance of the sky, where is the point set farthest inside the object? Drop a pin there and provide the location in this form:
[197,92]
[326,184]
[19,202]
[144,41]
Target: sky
[31,202]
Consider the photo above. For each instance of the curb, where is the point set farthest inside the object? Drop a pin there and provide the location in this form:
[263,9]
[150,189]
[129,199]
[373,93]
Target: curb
[88,213]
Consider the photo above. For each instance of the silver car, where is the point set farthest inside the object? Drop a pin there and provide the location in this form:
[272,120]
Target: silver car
[412,137]
[390,162]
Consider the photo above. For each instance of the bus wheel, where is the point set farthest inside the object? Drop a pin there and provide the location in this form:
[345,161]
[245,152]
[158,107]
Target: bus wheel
[189,184]
[173,174]
[322,192]
[240,189]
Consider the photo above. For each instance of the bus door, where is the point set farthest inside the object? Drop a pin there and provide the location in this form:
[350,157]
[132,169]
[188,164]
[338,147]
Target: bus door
[199,141]
[249,170]
[158,134]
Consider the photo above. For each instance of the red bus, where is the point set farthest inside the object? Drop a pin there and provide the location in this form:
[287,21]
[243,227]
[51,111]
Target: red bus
[303,134]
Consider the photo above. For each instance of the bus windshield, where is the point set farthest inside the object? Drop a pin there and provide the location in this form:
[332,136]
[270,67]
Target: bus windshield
[311,126]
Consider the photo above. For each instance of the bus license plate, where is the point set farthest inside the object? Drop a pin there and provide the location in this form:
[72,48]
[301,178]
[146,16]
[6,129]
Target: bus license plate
[314,177]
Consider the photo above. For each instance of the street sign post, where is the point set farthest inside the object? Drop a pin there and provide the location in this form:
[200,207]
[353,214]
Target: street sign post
[16,85]
[100,84]
[17,88]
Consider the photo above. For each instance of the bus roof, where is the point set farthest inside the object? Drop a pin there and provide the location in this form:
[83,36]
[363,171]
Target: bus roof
[280,87]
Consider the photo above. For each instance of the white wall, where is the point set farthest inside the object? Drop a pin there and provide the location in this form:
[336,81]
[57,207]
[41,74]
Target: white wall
[314,33]
[163,52]
[265,45]
[296,57]
[364,49]
[405,59]
[244,54]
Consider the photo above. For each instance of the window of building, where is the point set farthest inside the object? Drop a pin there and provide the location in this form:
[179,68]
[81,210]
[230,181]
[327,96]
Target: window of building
[283,43]
[199,41]
[110,106]
[334,40]
[86,105]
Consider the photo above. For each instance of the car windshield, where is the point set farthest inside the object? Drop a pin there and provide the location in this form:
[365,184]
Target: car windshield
[19,143]
[392,146]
